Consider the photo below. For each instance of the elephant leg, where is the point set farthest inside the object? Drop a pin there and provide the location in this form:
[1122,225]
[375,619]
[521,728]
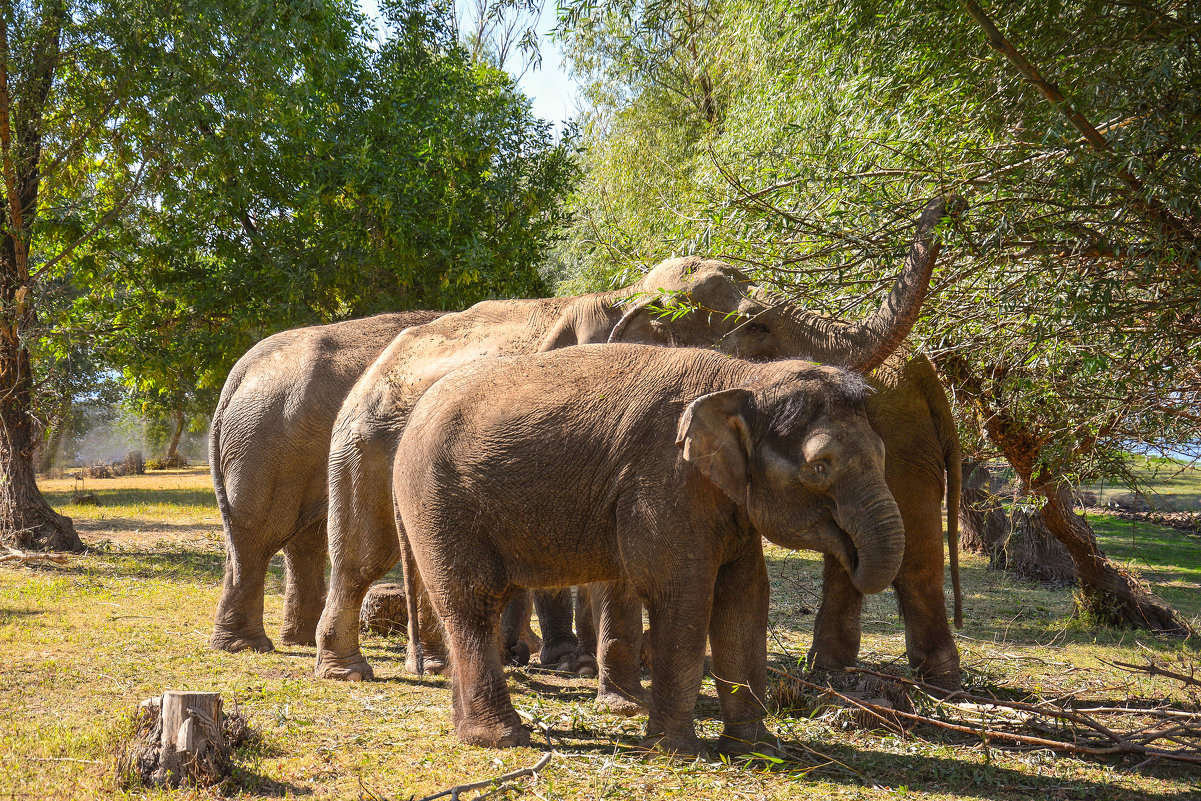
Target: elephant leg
[482,710]
[585,623]
[738,639]
[678,633]
[837,629]
[363,546]
[304,587]
[513,622]
[560,647]
[239,621]
[929,643]
[618,648]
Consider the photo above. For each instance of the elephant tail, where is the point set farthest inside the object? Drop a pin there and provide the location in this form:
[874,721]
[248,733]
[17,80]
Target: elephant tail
[954,490]
[944,424]
[216,467]
[412,585]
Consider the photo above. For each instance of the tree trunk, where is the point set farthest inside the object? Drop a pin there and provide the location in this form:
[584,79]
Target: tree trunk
[26,520]
[983,524]
[1109,594]
[1032,552]
[173,448]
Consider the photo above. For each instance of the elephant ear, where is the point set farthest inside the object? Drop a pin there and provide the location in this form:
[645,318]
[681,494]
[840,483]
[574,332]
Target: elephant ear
[636,309]
[714,436]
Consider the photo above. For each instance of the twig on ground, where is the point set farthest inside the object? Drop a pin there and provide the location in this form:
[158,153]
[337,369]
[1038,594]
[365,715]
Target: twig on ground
[1152,669]
[25,557]
[1088,736]
[454,792]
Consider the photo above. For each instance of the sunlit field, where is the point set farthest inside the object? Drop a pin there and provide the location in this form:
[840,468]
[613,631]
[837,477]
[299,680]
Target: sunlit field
[83,643]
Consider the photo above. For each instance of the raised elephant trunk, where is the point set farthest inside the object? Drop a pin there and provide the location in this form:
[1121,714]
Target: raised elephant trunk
[873,522]
[870,342]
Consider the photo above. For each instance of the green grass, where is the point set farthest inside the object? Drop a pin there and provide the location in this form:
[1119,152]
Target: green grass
[82,644]
[1171,485]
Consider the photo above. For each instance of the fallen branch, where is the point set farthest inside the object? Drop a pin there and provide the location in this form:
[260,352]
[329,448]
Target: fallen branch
[1152,669]
[453,792]
[1099,740]
[26,557]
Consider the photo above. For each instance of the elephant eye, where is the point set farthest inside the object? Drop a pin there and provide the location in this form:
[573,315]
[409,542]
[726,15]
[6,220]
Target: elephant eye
[756,328]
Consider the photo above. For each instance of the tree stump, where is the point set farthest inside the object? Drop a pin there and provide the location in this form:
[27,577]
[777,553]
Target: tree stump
[191,727]
[983,523]
[181,737]
[1032,552]
[385,610]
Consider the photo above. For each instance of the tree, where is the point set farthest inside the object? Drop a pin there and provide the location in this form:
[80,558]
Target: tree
[101,102]
[1065,318]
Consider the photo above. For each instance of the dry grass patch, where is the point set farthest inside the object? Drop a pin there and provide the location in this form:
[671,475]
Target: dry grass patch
[84,643]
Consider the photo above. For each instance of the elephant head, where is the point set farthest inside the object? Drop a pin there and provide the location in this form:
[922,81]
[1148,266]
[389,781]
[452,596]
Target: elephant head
[731,315]
[800,457]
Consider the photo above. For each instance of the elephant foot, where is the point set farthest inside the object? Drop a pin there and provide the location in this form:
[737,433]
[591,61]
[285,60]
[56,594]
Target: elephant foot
[577,661]
[675,746]
[435,664]
[499,735]
[298,636]
[619,702]
[517,655]
[353,668]
[556,652]
[223,640]
[941,670]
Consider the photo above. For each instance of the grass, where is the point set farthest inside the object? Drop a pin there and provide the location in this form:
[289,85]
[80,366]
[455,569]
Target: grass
[82,644]
[1171,485]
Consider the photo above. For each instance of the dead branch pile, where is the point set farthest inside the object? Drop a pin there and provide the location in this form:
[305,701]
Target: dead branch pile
[1149,731]
[1188,522]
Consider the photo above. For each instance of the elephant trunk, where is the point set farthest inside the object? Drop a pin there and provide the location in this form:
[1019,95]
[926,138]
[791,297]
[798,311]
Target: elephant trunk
[873,340]
[873,522]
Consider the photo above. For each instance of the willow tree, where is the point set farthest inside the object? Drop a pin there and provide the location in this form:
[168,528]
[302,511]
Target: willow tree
[100,100]
[1067,323]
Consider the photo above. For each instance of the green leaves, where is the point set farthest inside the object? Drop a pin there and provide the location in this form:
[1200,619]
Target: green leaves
[1062,286]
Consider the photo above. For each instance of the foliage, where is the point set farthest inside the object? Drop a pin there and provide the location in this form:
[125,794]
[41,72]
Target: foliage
[1069,294]
[330,181]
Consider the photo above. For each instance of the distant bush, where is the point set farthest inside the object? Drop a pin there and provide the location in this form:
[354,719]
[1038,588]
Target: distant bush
[164,463]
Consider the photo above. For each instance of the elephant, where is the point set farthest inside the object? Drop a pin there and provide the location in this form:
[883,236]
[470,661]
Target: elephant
[656,469]
[363,540]
[911,409]
[268,452]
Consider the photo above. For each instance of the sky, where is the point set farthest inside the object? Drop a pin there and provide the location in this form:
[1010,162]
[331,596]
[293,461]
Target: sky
[549,87]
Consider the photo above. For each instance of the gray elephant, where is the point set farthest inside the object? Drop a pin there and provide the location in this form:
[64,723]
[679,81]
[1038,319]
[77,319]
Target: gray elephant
[729,316]
[363,539]
[268,452]
[563,468]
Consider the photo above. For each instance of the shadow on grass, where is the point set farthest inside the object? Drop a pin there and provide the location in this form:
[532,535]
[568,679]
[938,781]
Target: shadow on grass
[99,525]
[855,768]
[180,564]
[131,496]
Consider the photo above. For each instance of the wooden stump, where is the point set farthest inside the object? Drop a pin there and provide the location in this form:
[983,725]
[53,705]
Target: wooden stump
[1032,552]
[384,610]
[191,726]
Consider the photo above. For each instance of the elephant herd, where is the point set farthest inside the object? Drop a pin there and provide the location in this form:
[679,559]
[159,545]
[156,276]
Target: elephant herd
[592,441]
